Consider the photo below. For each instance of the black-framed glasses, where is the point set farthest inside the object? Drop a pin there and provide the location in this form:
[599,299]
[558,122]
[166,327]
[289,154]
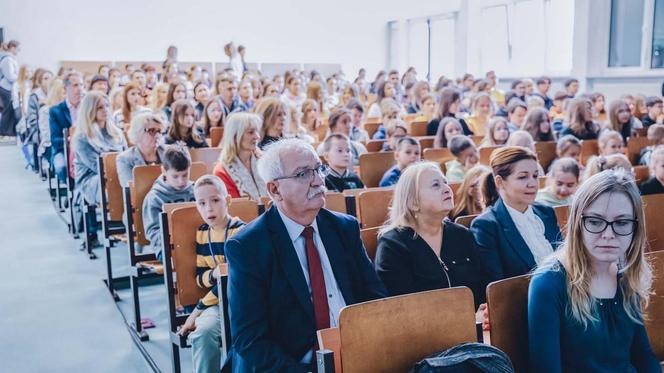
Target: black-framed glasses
[621,227]
[152,131]
[307,175]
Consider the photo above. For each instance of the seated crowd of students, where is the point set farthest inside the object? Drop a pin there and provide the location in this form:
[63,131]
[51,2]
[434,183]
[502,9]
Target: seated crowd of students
[150,118]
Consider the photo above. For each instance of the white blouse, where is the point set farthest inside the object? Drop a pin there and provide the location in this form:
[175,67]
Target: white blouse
[531,228]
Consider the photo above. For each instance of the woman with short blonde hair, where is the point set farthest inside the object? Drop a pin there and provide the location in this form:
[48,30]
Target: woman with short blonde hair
[239,155]
[586,302]
[274,113]
[145,136]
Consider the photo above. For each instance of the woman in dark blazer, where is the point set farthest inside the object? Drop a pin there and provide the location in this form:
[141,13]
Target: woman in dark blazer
[514,234]
[418,250]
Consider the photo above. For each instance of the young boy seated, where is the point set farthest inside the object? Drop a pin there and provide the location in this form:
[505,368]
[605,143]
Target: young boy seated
[171,186]
[656,136]
[466,156]
[610,142]
[406,153]
[203,324]
[654,107]
[516,114]
[655,184]
[390,110]
[336,150]
[395,130]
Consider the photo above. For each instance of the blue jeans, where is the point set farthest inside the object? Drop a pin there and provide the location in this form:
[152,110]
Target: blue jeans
[60,166]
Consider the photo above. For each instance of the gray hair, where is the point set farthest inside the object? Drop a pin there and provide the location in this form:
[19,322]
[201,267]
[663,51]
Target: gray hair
[69,75]
[140,121]
[270,165]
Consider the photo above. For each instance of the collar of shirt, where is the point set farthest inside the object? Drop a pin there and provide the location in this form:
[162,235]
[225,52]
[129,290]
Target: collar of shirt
[339,175]
[294,228]
[520,218]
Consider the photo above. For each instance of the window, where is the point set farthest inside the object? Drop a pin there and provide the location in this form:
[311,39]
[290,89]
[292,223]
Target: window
[496,48]
[418,46]
[626,33]
[443,49]
[657,60]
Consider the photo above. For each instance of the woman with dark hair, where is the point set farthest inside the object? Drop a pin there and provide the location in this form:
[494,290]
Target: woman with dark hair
[213,115]
[448,105]
[514,234]
[176,91]
[537,124]
[580,120]
[385,90]
[201,96]
[183,126]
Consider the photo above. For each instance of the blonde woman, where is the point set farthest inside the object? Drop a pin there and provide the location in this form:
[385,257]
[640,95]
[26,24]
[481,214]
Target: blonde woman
[239,153]
[481,112]
[468,200]
[419,249]
[159,97]
[145,135]
[274,113]
[586,301]
[597,164]
[56,94]
[131,105]
[295,129]
[497,132]
[94,136]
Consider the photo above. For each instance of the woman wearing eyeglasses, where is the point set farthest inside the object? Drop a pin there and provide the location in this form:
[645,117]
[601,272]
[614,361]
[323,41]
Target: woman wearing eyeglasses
[145,134]
[586,301]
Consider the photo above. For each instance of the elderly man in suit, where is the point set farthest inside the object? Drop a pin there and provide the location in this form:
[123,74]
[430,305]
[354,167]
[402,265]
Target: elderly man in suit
[64,115]
[294,268]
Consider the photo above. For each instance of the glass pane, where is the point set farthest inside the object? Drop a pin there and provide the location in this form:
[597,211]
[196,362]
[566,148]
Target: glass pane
[527,24]
[625,42]
[393,44]
[442,48]
[658,36]
[418,48]
[559,37]
[494,52]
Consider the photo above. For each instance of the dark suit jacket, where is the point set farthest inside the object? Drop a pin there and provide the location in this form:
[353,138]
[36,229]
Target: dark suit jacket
[503,252]
[58,119]
[270,309]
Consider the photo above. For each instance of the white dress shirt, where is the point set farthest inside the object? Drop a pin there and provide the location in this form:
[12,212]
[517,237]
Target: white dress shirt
[335,299]
[531,228]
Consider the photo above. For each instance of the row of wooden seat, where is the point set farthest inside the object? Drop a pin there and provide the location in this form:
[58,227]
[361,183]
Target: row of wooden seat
[392,334]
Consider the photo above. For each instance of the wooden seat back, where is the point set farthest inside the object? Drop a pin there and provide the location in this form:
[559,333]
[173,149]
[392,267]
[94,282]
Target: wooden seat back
[371,126]
[335,201]
[641,173]
[209,156]
[507,301]
[370,241]
[485,153]
[634,146]
[654,320]
[562,214]
[589,148]
[465,220]
[392,334]
[373,207]
[426,142]
[653,206]
[184,223]
[143,178]
[216,134]
[417,128]
[546,153]
[374,146]
[114,205]
[373,167]
[440,155]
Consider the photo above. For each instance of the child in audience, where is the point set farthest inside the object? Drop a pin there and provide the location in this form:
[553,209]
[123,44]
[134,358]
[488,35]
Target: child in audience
[497,132]
[597,164]
[336,150]
[656,182]
[466,156]
[656,136]
[557,112]
[523,139]
[654,108]
[172,186]
[579,120]
[428,110]
[516,113]
[203,324]
[274,113]
[481,111]
[468,198]
[568,146]
[176,91]
[396,129]
[213,115]
[620,119]
[132,101]
[407,152]
[311,120]
[357,113]
[562,181]
[183,126]
[538,125]
[610,142]
[390,111]
[340,123]
[448,128]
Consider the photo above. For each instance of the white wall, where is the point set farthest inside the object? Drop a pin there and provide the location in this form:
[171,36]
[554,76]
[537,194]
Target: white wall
[349,32]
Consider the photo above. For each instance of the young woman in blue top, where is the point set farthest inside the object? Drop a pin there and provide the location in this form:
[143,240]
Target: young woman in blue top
[586,301]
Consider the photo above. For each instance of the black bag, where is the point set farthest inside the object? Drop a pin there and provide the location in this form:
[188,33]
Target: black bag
[466,358]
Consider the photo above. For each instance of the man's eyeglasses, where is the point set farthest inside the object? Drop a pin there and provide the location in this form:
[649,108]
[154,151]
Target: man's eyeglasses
[307,175]
[621,227]
[153,131]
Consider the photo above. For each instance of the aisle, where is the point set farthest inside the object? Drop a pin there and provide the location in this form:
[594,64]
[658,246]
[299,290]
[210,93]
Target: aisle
[55,313]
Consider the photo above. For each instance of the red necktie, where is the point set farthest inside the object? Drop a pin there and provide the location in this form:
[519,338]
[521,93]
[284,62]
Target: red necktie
[317,281]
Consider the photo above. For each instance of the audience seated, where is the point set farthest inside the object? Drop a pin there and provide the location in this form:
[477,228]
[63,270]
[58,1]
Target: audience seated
[448,105]
[538,125]
[56,93]
[176,91]
[568,146]
[580,120]
[385,90]
[183,127]
[237,166]
[336,150]
[201,97]
[273,113]
[468,199]
[145,133]
[395,130]
[497,132]
[466,156]
[419,249]
[654,106]
[340,123]
[610,142]
[586,301]
[598,164]
[131,105]
[95,135]
[357,112]
[448,128]
[406,153]
[294,268]
[311,120]
[655,184]
[516,114]
[390,110]
[37,98]
[203,324]
[62,116]
[514,233]
[621,120]
[172,186]
[561,183]
[656,136]
[212,115]
[523,139]
[481,112]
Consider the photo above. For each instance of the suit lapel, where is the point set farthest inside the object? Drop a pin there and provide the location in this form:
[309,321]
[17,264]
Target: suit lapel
[335,253]
[286,256]
[549,232]
[65,110]
[513,235]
